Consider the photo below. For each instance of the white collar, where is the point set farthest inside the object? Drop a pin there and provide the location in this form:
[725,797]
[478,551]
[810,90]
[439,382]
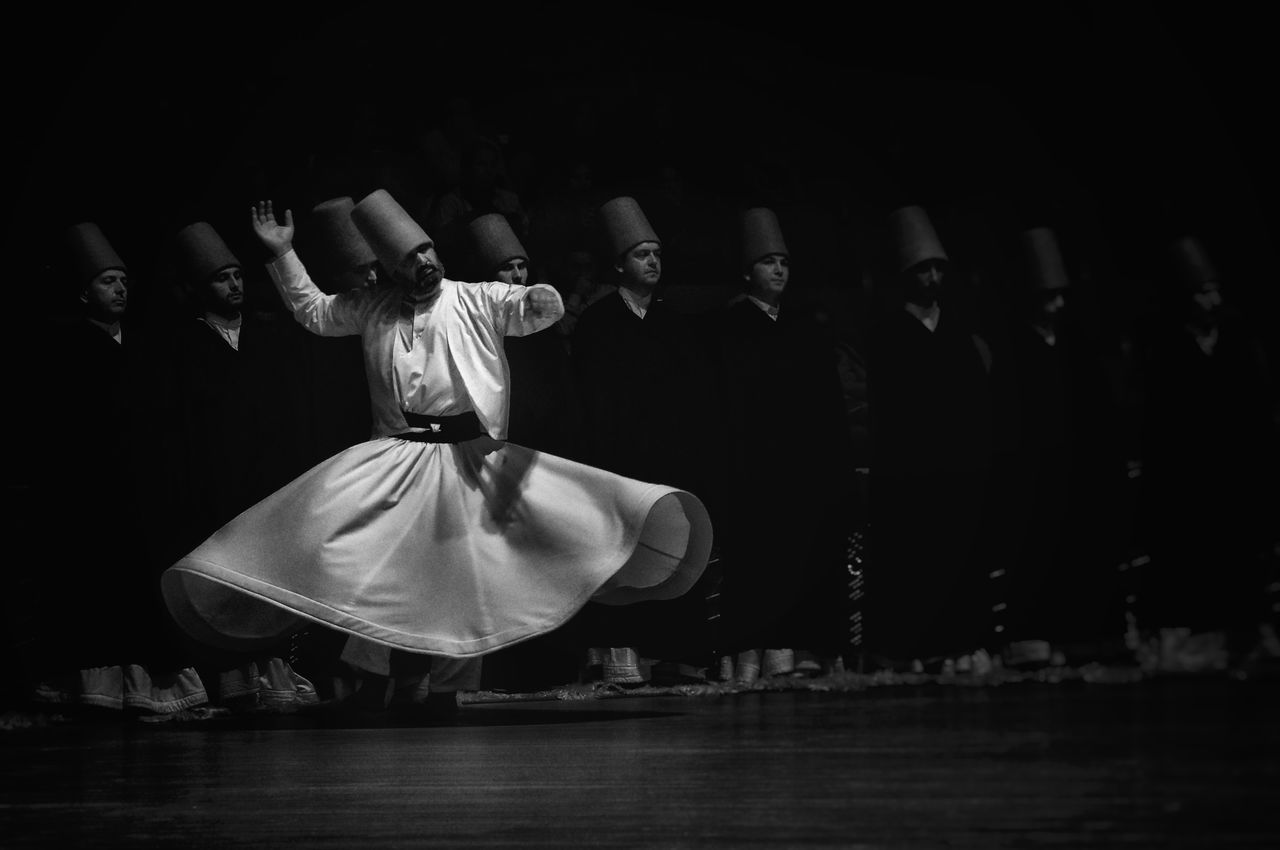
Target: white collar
[634,302]
[769,309]
[112,330]
[928,316]
[222,322]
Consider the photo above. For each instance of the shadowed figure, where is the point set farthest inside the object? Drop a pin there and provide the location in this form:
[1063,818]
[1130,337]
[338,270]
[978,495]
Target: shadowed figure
[1209,474]
[930,433]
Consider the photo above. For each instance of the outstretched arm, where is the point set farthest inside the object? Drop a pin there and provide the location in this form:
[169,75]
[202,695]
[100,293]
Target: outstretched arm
[531,308]
[326,315]
[521,310]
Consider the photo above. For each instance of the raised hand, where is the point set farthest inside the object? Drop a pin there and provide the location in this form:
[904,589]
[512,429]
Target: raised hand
[277,237]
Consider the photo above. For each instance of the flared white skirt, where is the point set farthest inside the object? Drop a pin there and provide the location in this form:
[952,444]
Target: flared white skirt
[450,549]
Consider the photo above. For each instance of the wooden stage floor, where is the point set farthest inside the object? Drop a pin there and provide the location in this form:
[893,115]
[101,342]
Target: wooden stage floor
[1158,763]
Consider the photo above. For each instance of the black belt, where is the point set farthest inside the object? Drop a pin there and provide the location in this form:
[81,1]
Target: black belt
[442,429]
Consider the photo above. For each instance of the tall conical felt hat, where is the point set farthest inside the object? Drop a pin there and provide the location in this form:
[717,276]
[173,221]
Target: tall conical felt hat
[1191,262]
[91,253]
[494,242]
[625,225]
[338,242]
[390,231]
[202,253]
[914,238]
[1046,268]
[761,235]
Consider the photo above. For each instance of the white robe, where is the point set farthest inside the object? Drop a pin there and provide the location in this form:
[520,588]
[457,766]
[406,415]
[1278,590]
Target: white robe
[451,549]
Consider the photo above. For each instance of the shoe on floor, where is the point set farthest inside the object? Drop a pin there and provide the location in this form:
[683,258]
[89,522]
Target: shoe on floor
[622,666]
[748,667]
[726,668]
[807,664]
[1182,651]
[593,668]
[778,662]
[981,663]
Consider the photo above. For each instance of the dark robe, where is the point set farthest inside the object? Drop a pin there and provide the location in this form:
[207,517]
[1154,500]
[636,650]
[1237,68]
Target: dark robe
[95,549]
[1209,479]
[930,431]
[1057,485]
[649,401]
[338,409]
[651,412]
[545,413]
[246,432]
[243,420]
[790,475]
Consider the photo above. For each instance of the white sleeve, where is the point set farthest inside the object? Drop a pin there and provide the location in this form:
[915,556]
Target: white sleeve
[326,315]
[512,314]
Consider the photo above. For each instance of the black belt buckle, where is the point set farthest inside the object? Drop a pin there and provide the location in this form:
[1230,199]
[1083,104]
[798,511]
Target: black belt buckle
[442,429]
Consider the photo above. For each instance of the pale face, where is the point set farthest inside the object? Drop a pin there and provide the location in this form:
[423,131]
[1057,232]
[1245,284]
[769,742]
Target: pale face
[514,271]
[641,267]
[226,292]
[767,278]
[420,271]
[107,296]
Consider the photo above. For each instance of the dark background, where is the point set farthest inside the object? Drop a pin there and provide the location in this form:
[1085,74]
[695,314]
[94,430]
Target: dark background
[1121,125]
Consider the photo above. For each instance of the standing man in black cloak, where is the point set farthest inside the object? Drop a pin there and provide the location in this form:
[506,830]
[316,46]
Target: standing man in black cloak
[240,363]
[1209,473]
[240,414]
[790,471]
[1057,474]
[930,431]
[217,404]
[651,411]
[104,633]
